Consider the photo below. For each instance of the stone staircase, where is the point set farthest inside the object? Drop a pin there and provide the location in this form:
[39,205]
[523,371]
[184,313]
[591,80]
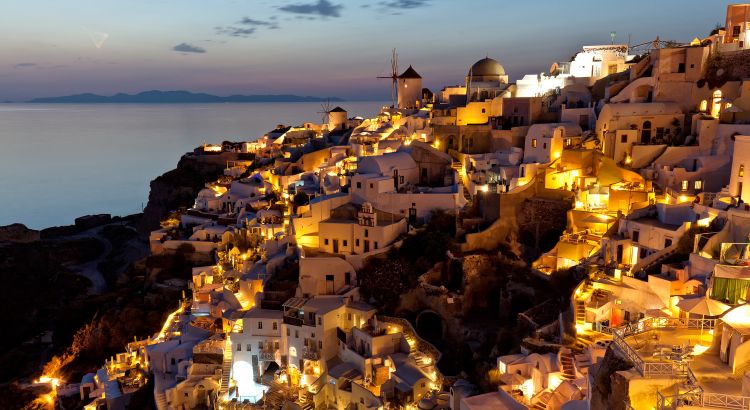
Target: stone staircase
[583,340]
[567,362]
[654,259]
[412,343]
[542,400]
[306,401]
[226,368]
[161,401]
[580,305]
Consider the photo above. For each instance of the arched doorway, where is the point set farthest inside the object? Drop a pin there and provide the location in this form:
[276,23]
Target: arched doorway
[268,373]
[646,132]
[430,327]
[451,142]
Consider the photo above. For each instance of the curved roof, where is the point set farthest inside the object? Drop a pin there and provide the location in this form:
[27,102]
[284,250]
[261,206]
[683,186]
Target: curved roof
[486,67]
[386,163]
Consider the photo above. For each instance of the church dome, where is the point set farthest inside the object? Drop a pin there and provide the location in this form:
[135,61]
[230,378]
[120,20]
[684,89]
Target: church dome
[486,67]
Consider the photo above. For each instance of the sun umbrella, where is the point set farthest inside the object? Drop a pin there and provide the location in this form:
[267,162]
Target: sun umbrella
[703,306]
[734,110]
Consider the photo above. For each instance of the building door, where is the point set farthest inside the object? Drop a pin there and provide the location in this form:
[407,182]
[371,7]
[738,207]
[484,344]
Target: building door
[335,246]
[739,189]
[423,177]
[619,253]
[367,245]
[412,215]
[583,122]
[329,284]
[395,178]
[646,132]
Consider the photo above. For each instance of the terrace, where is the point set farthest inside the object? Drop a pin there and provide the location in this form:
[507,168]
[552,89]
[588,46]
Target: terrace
[670,348]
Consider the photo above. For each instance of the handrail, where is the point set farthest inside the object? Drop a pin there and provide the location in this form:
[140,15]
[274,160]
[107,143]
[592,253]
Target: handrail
[657,368]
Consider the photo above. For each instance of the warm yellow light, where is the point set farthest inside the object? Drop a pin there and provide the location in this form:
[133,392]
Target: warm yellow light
[528,388]
[682,198]
[554,381]
[628,160]
[556,154]
[52,381]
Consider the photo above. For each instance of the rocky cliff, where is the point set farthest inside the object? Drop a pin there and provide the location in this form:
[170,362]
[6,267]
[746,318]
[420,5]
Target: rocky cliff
[179,187]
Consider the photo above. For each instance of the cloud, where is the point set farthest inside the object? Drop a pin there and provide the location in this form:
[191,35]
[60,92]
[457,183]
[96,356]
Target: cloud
[25,65]
[187,48]
[323,8]
[236,31]
[247,27]
[405,4]
[247,21]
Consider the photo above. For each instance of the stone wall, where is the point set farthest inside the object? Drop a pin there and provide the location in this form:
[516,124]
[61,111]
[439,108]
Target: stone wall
[513,217]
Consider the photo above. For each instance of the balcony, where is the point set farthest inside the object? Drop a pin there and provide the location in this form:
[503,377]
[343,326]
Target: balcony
[293,320]
[311,354]
[267,355]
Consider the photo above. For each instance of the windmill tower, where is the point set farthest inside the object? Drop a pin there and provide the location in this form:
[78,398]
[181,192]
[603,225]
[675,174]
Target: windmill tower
[409,89]
[334,117]
[393,77]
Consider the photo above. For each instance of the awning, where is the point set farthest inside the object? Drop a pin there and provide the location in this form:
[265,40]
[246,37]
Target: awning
[732,272]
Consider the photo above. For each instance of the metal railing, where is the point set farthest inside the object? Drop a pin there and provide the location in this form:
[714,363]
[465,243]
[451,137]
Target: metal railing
[657,368]
[699,398]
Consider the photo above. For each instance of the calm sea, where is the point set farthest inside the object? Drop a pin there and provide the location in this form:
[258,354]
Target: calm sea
[59,161]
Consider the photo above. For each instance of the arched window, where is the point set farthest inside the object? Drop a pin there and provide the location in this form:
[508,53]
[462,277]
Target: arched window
[704,105]
[741,172]
[716,104]
[646,132]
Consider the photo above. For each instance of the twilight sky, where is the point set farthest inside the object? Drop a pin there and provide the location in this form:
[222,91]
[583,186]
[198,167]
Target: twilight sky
[308,47]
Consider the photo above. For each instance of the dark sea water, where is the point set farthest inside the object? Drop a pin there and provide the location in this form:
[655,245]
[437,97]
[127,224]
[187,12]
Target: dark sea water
[61,161]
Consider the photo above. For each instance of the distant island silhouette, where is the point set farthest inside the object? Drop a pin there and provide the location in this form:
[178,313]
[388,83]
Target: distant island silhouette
[176,97]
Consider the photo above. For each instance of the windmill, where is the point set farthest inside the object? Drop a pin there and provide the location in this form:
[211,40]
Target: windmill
[393,77]
[325,110]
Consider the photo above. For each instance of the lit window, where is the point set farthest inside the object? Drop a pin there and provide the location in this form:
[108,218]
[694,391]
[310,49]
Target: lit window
[260,325]
[716,104]
[741,172]
[684,185]
[533,143]
[699,184]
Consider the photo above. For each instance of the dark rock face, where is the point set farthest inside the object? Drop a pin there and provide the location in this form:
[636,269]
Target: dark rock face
[92,221]
[609,390]
[179,187]
[18,233]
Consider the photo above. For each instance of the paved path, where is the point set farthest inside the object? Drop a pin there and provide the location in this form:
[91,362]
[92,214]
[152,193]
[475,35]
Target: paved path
[90,269]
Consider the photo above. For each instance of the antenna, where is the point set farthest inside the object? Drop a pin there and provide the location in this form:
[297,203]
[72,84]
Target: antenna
[325,110]
[393,77]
